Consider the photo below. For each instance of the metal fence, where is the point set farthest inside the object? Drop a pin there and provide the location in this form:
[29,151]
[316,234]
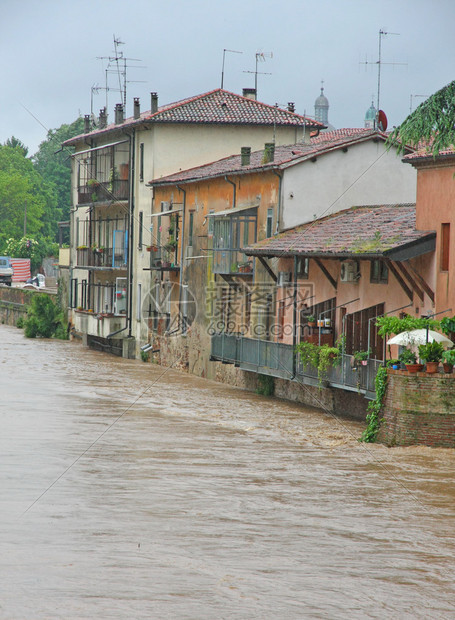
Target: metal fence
[277,359]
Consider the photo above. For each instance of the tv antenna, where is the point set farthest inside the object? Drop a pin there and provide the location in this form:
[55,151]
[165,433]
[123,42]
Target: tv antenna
[379,63]
[222,69]
[260,57]
[117,64]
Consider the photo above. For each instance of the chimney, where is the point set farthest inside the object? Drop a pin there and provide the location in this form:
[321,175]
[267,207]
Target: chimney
[87,123]
[245,155]
[269,152]
[250,93]
[103,118]
[137,108]
[291,106]
[154,103]
[118,113]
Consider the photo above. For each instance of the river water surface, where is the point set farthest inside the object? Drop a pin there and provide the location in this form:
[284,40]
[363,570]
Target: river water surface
[131,491]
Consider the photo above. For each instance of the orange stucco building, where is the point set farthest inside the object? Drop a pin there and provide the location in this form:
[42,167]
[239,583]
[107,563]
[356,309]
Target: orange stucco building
[436,211]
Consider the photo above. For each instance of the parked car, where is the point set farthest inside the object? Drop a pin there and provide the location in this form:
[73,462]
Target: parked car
[6,270]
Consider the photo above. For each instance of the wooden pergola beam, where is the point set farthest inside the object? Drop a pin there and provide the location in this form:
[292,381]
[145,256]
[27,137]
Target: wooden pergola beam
[422,282]
[325,271]
[415,287]
[399,279]
[267,267]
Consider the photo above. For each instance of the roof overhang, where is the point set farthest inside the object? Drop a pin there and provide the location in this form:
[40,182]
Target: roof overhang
[400,253]
[98,148]
[169,212]
[231,212]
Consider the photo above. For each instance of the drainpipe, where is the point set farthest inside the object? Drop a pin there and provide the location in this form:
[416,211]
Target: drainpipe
[294,321]
[234,198]
[278,211]
[130,232]
[182,247]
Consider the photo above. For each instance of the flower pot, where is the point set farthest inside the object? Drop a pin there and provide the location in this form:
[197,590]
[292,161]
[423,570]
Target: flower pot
[432,367]
[312,324]
[364,362]
[414,367]
[448,367]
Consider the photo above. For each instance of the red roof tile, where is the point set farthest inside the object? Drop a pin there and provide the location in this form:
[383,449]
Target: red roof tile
[215,107]
[284,156]
[359,231]
[425,155]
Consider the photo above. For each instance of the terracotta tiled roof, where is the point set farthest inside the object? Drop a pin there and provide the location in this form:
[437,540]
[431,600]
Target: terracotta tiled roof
[284,156]
[215,107]
[425,155]
[359,231]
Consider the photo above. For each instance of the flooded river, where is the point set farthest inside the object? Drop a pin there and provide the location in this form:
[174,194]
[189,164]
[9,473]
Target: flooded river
[131,491]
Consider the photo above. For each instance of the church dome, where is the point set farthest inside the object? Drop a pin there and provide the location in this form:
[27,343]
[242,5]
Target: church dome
[322,100]
[370,113]
[370,117]
[321,108]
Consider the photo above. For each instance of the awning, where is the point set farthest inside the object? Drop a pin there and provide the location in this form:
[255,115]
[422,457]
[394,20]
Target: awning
[230,212]
[170,212]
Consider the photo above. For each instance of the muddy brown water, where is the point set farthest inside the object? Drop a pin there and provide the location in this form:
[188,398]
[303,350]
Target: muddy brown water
[132,491]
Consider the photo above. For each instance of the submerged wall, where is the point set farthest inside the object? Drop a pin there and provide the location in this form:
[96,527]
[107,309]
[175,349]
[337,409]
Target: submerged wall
[419,409]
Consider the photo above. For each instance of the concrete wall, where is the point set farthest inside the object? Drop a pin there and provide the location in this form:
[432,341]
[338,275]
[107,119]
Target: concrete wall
[365,175]
[419,408]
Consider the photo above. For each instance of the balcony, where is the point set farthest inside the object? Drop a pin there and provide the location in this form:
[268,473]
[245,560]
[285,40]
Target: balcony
[163,258]
[280,360]
[233,230]
[102,258]
[108,191]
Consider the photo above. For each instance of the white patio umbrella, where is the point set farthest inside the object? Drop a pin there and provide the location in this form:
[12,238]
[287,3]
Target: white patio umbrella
[419,336]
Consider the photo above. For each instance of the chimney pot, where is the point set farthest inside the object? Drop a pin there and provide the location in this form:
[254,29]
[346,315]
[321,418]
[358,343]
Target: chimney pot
[118,113]
[245,155]
[291,106]
[103,118]
[250,93]
[154,103]
[137,108]
[87,123]
[269,152]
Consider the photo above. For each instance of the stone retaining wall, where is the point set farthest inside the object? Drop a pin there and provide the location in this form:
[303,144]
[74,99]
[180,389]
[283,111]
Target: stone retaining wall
[419,408]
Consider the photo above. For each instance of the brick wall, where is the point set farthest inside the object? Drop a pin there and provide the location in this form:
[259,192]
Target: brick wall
[419,409]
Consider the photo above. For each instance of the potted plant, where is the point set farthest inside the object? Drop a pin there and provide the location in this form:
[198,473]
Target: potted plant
[311,320]
[362,357]
[448,360]
[431,353]
[409,359]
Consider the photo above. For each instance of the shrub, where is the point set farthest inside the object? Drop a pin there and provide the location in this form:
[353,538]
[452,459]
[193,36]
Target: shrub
[45,319]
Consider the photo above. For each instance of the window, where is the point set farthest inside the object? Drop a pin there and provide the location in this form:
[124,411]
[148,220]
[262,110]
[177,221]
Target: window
[211,224]
[269,230]
[445,244]
[379,272]
[141,161]
[139,302]
[141,226]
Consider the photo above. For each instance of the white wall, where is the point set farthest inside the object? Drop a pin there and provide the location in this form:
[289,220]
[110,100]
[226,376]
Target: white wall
[367,174]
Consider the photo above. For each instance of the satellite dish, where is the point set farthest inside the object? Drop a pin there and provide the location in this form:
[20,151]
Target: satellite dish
[382,121]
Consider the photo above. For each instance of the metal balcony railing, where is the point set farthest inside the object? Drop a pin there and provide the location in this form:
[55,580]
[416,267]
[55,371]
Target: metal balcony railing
[277,359]
[103,191]
[104,258]
[163,258]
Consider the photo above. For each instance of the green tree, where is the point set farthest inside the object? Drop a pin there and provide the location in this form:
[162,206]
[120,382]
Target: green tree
[23,195]
[54,165]
[16,143]
[432,123]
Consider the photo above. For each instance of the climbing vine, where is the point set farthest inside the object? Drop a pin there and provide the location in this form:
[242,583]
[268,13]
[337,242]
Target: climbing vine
[374,408]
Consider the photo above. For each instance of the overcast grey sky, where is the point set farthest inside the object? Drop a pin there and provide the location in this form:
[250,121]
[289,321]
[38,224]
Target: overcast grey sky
[49,51]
